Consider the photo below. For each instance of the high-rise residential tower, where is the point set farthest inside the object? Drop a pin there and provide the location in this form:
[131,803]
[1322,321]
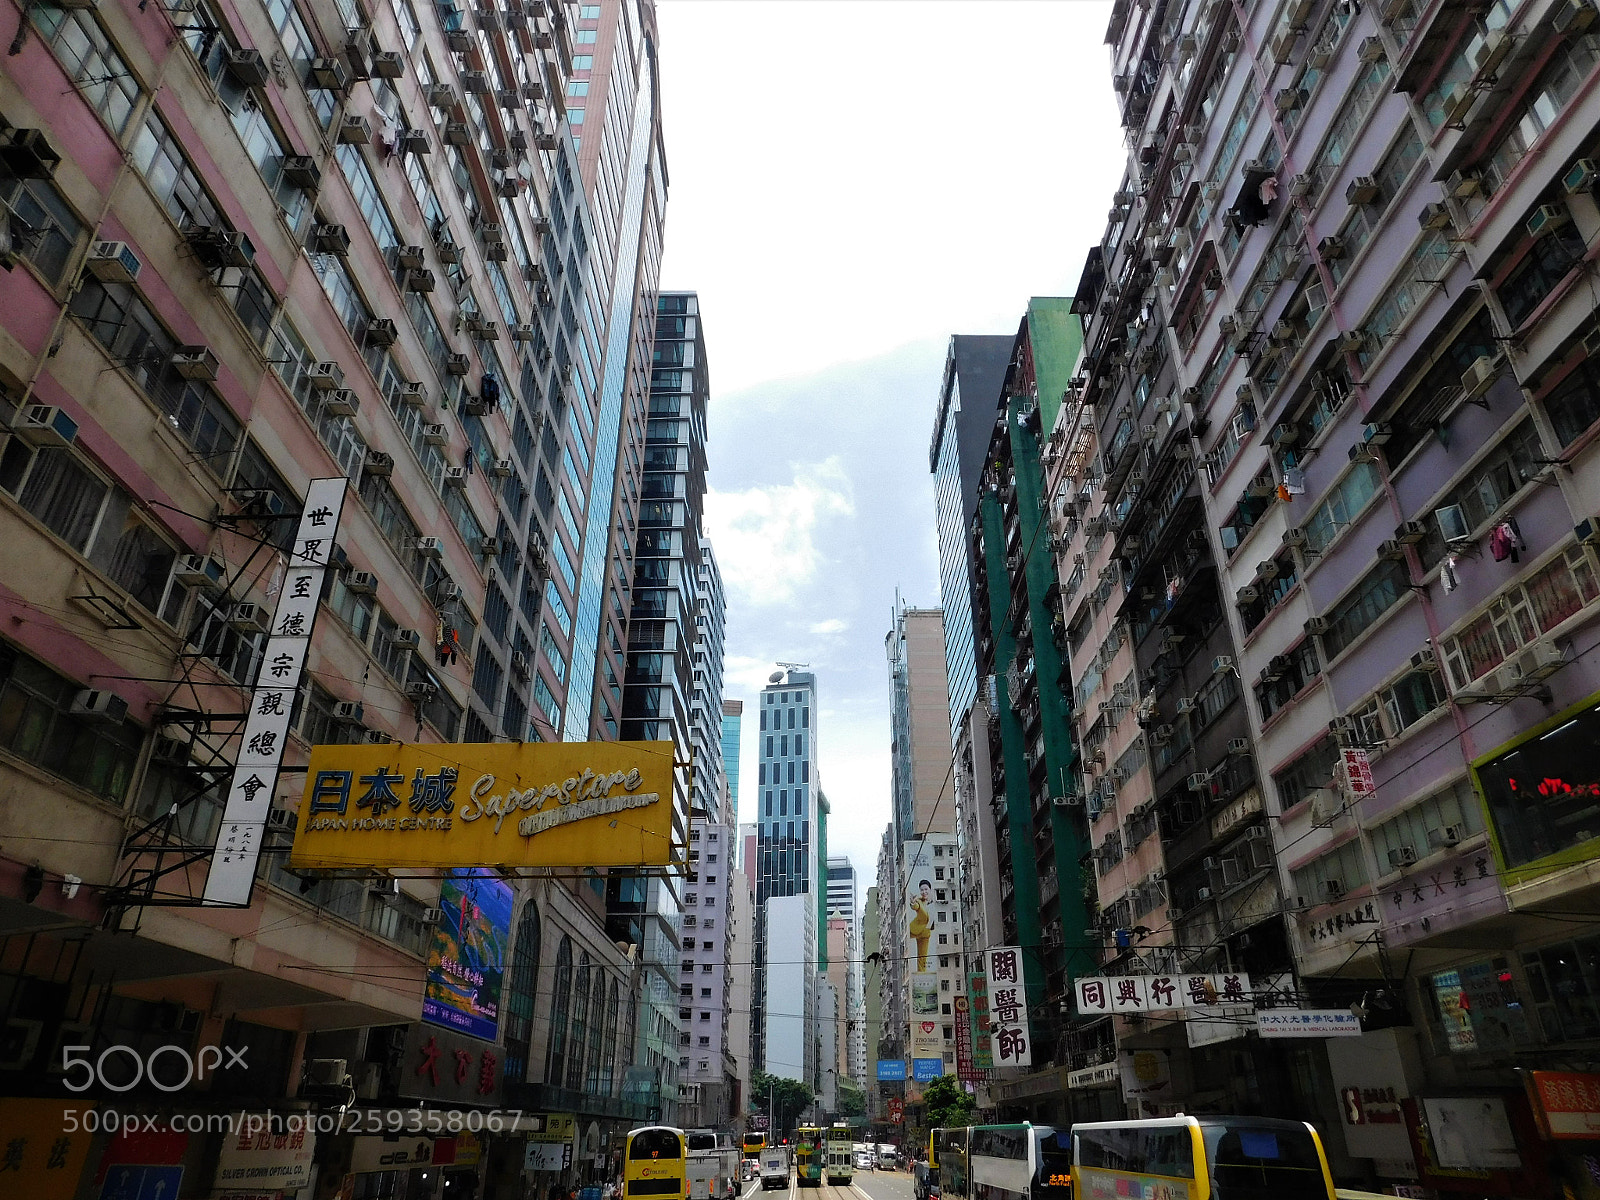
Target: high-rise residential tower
[844,964]
[257,253]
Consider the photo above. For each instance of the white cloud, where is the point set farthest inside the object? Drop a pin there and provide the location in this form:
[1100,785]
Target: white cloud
[766,537]
[833,625]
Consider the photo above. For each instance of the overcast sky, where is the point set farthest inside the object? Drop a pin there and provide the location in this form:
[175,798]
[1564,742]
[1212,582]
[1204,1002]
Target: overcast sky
[851,182]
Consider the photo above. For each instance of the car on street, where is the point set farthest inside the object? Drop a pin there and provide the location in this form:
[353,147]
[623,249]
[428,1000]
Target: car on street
[866,1161]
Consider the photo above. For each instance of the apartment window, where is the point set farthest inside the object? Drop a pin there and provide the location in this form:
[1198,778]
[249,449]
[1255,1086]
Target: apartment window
[588,37]
[705,1016]
[1574,403]
[1302,667]
[1520,614]
[1382,588]
[1568,68]
[1344,868]
[1418,826]
[1345,501]
[120,321]
[706,970]
[575,117]
[1312,770]
[1545,262]
[583,62]
[92,64]
[37,724]
[1487,487]
[1428,263]
[55,226]
[578,87]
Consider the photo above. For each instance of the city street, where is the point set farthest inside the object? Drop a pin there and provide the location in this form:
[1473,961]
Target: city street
[864,1185]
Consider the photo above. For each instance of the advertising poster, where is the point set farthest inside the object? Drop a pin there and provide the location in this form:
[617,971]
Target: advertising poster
[927,1038]
[469,953]
[922,888]
[963,1012]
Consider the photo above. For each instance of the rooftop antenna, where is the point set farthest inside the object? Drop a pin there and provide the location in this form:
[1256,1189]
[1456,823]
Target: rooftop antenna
[793,666]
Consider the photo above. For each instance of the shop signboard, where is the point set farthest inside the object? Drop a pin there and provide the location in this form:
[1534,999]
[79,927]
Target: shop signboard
[448,1067]
[1462,889]
[888,1069]
[1012,1037]
[1098,995]
[1102,1075]
[524,804]
[374,1153]
[45,1145]
[897,1110]
[1147,1081]
[259,1156]
[1566,1103]
[982,1046]
[1307,1023]
[467,961]
[963,1020]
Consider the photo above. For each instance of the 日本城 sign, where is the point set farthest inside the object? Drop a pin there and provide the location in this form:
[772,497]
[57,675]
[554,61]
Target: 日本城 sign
[1160,993]
[1010,1034]
[1307,1022]
[438,806]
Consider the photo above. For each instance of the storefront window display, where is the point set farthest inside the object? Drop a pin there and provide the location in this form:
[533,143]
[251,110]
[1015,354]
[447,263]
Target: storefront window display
[1477,1008]
[1544,792]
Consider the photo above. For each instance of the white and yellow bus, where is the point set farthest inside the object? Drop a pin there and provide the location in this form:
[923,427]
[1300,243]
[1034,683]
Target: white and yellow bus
[1198,1158]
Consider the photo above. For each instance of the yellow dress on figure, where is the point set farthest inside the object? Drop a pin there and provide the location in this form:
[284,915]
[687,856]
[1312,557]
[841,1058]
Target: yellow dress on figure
[921,928]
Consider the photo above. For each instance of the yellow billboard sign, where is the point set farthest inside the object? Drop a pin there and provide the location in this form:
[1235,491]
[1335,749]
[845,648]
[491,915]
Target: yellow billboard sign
[442,805]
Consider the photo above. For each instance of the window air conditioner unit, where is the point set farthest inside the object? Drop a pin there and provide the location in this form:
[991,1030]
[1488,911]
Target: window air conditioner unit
[501,468]
[100,706]
[421,691]
[459,41]
[1186,704]
[1361,452]
[113,262]
[525,332]
[457,133]
[1351,341]
[325,376]
[1581,177]
[1239,745]
[519,664]
[383,332]
[192,570]
[442,95]
[1476,379]
[1402,856]
[45,425]
[1392,550]
[248,618]
[362,583]
[1458,105]
[427,547]
[413,141]
[1288,99]
[1573,15]
[247,66]
[348,711]
[1588,531]
[388,64]
[455,477]
[1371,49]
[1435,216]
[1295,537]
[1331,247]
[1333,889]
[341,402]
[1316,626]
[1363,189]
[419,281]
[1248,594]
[435,434]
[1202,894]
[1425,660]
[1200,781]
[406,637]
[476,82]
[1449,836]
[376,737]
[1410,533]
[327,74]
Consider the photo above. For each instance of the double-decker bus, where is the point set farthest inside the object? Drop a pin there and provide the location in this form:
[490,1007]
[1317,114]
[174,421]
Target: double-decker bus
[654,1163]
[754,1144]
[1199,1158]
[999,1162]
[947,1164]
[841,1153]
[810,1149]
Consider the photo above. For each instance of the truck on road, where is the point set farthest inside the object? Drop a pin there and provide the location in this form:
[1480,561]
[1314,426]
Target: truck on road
[775,1167]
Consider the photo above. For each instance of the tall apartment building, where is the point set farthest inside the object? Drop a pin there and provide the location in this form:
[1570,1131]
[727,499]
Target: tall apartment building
[741,959]
[791,888]
[871,1007]
[1019,632]
[1339,318]
[844,966]
[670,615]
[969,392]
[251,247]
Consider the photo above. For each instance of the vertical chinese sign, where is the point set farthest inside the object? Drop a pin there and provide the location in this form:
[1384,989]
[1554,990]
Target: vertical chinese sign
[1008,1007]
[982,1047]
[470,949]
[964,1069]
[255,771]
